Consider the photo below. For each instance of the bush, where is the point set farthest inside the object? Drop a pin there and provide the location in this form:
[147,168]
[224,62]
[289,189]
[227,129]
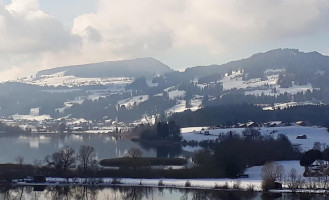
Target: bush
[222,187]
[142,162]
[251,188]
[160,183]
[267,184]
[188,184]
[116,181]
[236,185]
[273,171]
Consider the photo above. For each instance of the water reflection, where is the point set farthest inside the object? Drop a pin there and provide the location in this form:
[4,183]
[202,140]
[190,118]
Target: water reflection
[141,193]
[68,193]
[163,151]
[36,146]
[136,193]
[34,141]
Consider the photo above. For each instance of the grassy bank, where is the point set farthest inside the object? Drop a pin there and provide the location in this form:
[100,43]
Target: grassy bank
[142,162]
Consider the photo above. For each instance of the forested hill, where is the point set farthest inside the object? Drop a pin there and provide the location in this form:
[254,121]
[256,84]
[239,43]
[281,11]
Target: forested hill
[147,67]
[304,67]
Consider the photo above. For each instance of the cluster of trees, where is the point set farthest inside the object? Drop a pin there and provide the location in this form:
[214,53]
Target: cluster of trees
[66,158]
[139,86]
[213,89]
[229,115]
[20,98]
[274,175]
[234,152]
[238,96]
[10,129]
[108,107]
[169,131]
[315,154]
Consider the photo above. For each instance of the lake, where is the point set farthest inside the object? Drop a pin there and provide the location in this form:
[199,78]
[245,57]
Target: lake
[142,193]
[34,147]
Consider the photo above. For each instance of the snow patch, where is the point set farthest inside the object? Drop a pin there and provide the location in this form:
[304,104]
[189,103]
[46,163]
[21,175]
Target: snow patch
[131,101]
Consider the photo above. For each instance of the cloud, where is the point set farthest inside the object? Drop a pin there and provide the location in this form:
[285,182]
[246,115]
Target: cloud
[182,31]
[136,28]
[26,33]
[25,29]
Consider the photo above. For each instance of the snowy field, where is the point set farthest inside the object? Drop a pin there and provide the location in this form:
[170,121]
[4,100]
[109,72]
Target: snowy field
[196,103]
[60,79]
[176,94]
[193,129]
[257,87]
[314,134]
[291,90]
[289,104]
[130,102]
[31,117]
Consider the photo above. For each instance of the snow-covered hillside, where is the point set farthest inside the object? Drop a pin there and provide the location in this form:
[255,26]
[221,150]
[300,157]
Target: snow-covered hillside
[313,134]
[257,86]
[60,79]
[133,101]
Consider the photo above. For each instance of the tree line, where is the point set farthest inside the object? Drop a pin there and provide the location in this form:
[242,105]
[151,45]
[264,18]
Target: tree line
[169,131]
[232,153]
[229,115]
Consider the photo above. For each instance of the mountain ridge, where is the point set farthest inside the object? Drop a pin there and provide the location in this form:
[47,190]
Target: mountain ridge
[133,68]
[298,63]
[271,53]
[280,76]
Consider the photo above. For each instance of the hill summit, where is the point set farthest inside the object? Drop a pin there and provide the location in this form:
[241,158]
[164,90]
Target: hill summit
[147,67]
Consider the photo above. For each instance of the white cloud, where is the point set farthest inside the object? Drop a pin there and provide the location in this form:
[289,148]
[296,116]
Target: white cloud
[25,29]
[137,28]
[26,33]
[179,30]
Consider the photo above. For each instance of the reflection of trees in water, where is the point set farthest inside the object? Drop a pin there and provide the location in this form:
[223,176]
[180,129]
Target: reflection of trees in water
[171,151]
[58,193]
[76,192]
[293,196]
[86,193]
[199,195]
[139,193]
[238,195]
[113,195]
[218,195]
[133,193]
[163,151]
[7,193]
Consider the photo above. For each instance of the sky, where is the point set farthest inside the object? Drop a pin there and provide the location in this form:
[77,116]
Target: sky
[41,34]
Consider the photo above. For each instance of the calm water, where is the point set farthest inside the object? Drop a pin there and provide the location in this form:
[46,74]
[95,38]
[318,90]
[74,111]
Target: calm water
[36,147]
[141,193]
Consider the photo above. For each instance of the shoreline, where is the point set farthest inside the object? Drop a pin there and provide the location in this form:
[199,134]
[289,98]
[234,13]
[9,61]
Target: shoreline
[195,184]
[205,183]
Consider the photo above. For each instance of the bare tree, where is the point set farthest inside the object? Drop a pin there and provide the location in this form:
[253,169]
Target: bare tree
[317,146]
[295,181]
[273,171]
[134,153]
[87,157]
[61,160]
[19,160]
